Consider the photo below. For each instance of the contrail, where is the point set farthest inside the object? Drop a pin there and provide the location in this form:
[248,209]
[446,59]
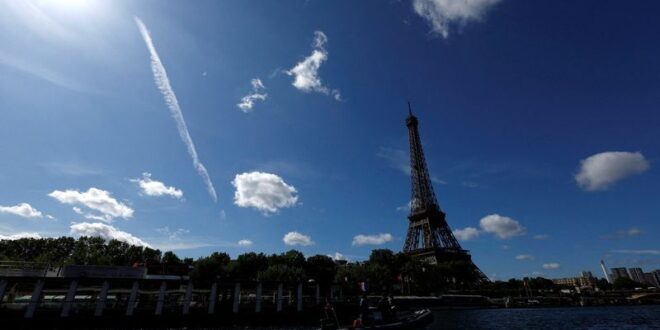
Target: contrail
[163,83]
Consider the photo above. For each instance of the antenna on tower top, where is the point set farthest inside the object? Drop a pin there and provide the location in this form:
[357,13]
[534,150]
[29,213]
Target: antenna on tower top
[409,108]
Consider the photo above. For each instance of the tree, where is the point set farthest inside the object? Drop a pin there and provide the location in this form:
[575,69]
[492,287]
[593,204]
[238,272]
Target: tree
[116,252]
[288,267]
[83,251]
[321,268]
[90,251]
[170,257]
[150,255]
[292,258]
[541,284]
[381,269]
[603,284]
[283,274]
[207,270]
[249,266]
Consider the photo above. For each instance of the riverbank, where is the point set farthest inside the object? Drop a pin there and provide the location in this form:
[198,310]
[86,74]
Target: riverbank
[458,301]
[289,318]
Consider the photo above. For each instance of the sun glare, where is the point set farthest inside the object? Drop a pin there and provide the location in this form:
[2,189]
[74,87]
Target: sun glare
[71,3]
[67,4]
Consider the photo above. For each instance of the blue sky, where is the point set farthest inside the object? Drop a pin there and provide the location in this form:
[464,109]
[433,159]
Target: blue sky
[539,122]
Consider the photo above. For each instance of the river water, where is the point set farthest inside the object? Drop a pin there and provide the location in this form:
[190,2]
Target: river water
[600,318]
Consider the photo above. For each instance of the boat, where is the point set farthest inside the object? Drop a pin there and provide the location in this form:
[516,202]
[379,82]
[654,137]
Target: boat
[405,320]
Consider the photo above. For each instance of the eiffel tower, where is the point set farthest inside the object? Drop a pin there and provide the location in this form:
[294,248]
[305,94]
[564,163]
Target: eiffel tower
[429,236]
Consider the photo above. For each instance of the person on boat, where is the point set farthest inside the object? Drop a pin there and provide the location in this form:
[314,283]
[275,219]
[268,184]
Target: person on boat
[328,308]
[330,315]
[364,309]
[384,307]
[392,306]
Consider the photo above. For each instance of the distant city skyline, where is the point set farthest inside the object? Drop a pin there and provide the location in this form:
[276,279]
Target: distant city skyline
[265,126]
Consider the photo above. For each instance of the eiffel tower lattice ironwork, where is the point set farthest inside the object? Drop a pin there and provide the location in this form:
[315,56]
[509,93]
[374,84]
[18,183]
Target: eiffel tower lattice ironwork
[429,236]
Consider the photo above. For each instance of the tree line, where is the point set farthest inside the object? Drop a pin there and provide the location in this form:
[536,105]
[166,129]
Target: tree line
[384,271]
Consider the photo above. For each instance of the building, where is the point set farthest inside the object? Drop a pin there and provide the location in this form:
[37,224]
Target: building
[637,275]
[620,272]
[607,276]
[586,279]
[650,279]
[568,281]
[586,274]
[656,277]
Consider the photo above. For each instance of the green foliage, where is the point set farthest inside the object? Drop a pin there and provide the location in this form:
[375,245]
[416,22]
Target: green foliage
[249,266]
[384,271]
[209,269]
[83,251]
[288,267]
[542,284]
[321,268]
[170,257]
[603,284]
[284,274]
[291,258]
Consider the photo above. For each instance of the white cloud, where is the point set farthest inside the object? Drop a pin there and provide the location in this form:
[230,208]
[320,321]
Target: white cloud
[152,187]
[337,256]
[599,171]
[404,208]
[245,243]
[264,191]
[35,70]
[466,233]
[503,227]
[553,265]
[106,232]
[470,184]
[376,239]
[653,252]
[71,168]
[440,14]
[396,158]
[163,83]
[524,257]
[537,274]
[247,102]
[541,236]
[24,210]
[621,234]
[89,215]
[437,180]
[19,236]
[296,238]
[181,245]
[94,199]
[172,234]
[306,72]
[78,210]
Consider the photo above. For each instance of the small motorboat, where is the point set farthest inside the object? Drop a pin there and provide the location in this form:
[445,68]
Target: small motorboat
[404,320]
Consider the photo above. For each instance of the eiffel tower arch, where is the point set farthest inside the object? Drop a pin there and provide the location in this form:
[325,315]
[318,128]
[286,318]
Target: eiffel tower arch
[429,237]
